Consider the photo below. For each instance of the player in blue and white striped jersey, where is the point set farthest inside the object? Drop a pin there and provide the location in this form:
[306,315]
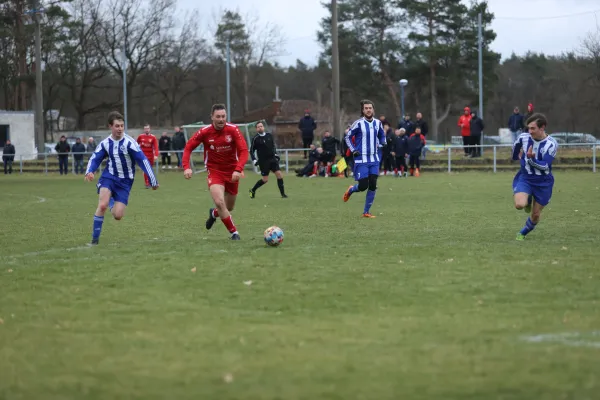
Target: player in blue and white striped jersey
[533,184]
[364,140]
[116,180]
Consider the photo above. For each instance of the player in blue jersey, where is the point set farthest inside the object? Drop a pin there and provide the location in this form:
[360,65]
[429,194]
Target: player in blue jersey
[533,184]
[116,180]
[364,140]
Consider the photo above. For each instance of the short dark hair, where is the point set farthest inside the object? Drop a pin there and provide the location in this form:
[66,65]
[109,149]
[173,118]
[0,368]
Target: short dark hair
[217,107]
[114,116]
[260,123]
[539,119]
[363,103]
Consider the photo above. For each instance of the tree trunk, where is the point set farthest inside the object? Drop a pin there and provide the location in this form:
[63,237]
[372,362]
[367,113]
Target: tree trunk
[432,88]
[393,93]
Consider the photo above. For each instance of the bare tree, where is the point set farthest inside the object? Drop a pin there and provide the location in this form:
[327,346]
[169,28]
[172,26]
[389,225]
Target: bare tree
[172,73]
[137,27]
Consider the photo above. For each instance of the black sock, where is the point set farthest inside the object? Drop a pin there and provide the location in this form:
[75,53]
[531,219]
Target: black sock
[280,184]
[258,184]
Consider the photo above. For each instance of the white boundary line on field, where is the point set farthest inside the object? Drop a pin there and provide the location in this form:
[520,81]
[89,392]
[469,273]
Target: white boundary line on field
[576,339]
[40,199]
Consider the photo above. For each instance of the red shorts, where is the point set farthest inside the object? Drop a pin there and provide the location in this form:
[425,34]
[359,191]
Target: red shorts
[223,179]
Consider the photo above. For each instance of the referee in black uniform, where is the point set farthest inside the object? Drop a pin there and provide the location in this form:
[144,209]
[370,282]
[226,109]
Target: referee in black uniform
[264,155]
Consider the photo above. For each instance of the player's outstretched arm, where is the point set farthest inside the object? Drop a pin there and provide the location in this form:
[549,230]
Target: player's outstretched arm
[190,146]
[94,163]
[144,163]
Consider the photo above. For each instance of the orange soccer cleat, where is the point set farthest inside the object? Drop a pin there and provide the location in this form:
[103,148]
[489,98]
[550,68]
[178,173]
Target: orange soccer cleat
[417,173]
[368,215]
[347,194]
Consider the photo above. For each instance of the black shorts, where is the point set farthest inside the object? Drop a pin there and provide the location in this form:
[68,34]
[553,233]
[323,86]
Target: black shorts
[271,165]
[330,158]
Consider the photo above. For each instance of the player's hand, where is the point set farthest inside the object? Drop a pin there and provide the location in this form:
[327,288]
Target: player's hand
[89,177]
[393,153]
[530,152]
[188,173]
[236,176]
[356,153]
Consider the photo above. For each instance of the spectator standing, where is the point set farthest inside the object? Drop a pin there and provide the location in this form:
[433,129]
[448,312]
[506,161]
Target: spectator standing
[330,146]
[78,153]
[387,159]
[399,152]
[8,157]
[416,142]
[527,116]
[516,123]
[421,123]
[464,123]
[476,131]
[164,145]
[63,149]
[178,144]
[408,125]
[307,126]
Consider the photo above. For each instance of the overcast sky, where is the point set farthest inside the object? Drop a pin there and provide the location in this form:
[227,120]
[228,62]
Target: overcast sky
[516,25]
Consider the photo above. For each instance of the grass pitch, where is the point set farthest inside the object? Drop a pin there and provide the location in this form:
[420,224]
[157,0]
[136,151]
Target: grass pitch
[434,299]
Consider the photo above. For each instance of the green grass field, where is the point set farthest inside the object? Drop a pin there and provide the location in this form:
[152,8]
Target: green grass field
[434,299]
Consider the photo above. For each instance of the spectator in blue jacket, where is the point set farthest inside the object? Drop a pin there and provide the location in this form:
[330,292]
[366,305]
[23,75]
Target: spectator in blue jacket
[307,126]
[515,123]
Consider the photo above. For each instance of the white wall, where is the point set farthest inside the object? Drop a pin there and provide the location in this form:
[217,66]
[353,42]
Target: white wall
[21,132]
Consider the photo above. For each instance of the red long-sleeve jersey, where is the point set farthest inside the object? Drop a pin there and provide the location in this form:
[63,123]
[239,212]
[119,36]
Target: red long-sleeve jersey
[225,150]
[149,145]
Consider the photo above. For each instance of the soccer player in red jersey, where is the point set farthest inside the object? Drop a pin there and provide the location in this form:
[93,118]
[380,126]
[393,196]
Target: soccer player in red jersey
[149,146]
[225,154]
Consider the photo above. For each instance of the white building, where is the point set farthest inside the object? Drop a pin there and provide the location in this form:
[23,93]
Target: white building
[19,128]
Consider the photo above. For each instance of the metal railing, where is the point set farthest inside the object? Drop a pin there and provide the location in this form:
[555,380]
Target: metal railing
[434,153]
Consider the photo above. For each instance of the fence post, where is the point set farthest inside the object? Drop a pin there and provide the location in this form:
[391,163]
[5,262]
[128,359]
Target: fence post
[287,161]
[73,164]
[46,163]
[21,164]
[494,158]
[449,159]
[594,158]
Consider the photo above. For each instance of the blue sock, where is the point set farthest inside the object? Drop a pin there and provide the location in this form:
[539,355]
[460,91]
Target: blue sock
[354,189]
[97,227]
[529,226]
[369,200]
[111,203]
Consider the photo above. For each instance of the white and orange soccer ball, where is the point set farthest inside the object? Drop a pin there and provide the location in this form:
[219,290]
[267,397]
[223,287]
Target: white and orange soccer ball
[273,236]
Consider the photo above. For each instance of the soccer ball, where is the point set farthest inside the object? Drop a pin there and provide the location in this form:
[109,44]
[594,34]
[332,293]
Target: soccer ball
[273,236]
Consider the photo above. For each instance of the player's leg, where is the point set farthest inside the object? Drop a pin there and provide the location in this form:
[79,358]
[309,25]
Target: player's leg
[417,165]
[104,196]
[119,199]
[412,164]
[371,190]
[264,172]
[146,177]
[277,171]
[361,176]
[541,198]
[231,191]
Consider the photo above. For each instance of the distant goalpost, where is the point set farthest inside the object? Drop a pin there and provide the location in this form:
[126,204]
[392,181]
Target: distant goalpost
[197,160]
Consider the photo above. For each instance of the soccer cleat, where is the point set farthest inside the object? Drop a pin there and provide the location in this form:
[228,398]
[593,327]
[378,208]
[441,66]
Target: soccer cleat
[211,220]
[368,215]
[520,237]
[94,242]
[347,194]
[235,236]
[284,196]
[252,193]
[417,173]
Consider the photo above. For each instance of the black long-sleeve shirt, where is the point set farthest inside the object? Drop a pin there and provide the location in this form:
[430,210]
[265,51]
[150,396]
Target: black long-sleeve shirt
[330,144]
[263,147]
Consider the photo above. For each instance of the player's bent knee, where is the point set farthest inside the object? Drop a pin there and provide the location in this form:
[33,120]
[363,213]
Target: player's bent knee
[363,184]
[372,182]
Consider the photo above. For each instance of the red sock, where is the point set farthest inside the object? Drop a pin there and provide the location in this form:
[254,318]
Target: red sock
[215,213]
[395,170]
[315,169]
[228,222]
[402,169]
[329,170]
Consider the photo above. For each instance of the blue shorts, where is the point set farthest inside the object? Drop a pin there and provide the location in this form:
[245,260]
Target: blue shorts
[363,170]
[119,189]
[540,190]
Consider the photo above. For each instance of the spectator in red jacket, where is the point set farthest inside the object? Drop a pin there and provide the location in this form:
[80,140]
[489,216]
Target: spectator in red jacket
[464,123]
